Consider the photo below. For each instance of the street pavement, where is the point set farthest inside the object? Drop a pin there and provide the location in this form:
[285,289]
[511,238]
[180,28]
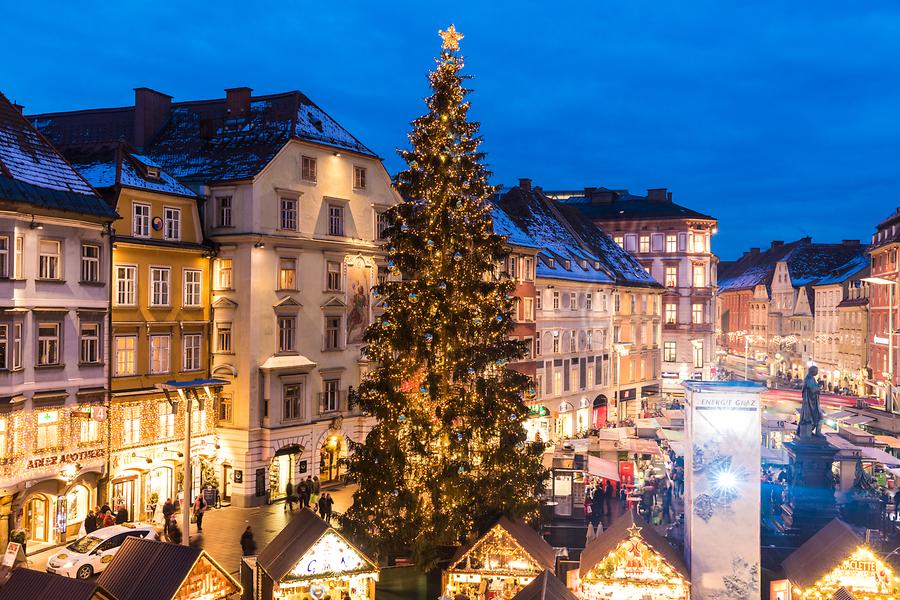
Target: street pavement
[222,529]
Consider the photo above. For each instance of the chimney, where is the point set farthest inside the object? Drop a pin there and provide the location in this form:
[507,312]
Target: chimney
[659,195]
[525,183]
[151,113]
[237,101]
[776,243]
[19,108]
[754,251]
[600,195]
[850,243]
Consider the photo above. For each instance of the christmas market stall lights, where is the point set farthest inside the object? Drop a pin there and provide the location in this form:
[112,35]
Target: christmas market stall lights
[836,558]
[500,563]
[631,561]
[545,586]
[309,559]
[145,569]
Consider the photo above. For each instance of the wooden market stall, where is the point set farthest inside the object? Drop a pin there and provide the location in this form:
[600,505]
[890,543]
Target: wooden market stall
[545,586]
[145,569]
[309,559]
[500,563]
[27,584]
[631,561]
[836,558]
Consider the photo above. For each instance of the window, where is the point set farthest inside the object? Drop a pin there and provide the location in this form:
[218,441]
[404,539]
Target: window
[47,430]
[131,424]
[335,219]
[223,211]
[631,242]
[620,240]
[286,329]
[90,343]
[513,267]
[4,257]
[528,309]
[224,278]
[698,354]
[528,268]
[333,278]
[166,421]
[159,286]
[669,352]
[332,333]
[159,353]
[19,259]
[538,299]
[198,418]
[573,301]
[617,333]
[359,178]
[537,345]
[17,346]
[288,214]
[589,340]
[191,346]
[617,303]
[4,341]
[645,243]
[330,395]
[89,430]
[671,277]
[671,243]
[671,313]
[140,225]
[126,284]
[48,344]
[572,336]
[381,224]
[697,313]
[225,408]
[48,260]
[223,337]
[589,301]
[308,168]
[172,223]
[699,275]
[555,300]
[556,342]
[293,401]
[90,263]
[287,273]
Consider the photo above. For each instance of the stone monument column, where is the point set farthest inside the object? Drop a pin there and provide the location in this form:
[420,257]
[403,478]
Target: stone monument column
[722,489]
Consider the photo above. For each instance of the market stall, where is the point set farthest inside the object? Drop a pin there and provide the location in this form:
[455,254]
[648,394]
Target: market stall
[630,561]
[24,584]
[836,558]
[498,564]
[310,559]
[545,586]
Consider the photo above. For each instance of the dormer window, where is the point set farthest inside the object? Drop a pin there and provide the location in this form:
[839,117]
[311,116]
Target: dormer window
[568,265]
[584,264]
[152,172]
[597,264]
[550,262]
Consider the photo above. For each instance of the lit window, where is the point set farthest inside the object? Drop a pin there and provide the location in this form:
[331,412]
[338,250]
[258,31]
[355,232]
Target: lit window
[172,223]
[669,352]
[671,277]
[308,168]
[47,430]
[333,281]
[359,178]
[140,220]
[90,343]
[159,353]
[620,240]
[288,215]
[89,430]
[335,220]
[126,355]
[645,243]
[224,274]
[287,273]
[223,337]
[698,354]
[697,313]
[159,286]
[48,260]
[48,344]
[90,263]
[286,328]
[166,421]
[19,259]
[671,243]
[191,343]
[528,309]
[699,272]
[225,408]
[671,313]
[131,424]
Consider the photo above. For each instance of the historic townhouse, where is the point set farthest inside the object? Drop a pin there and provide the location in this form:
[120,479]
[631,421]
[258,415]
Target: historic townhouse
[54,301]
[884,299]
[853,336]
[294,204]
[672,243]
[160,329]
[598,320]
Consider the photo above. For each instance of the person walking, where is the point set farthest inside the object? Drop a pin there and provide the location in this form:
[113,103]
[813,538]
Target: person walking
[329,507]
[168,510]
[200,507]
[90,522]
[303,492]
[248,544]
[309,491]
[289,501]
[667,502]
[174,532]
[608,492]
[121,515]
[897,503]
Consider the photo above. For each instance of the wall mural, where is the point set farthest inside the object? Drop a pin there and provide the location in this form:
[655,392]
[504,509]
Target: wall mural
[358,302]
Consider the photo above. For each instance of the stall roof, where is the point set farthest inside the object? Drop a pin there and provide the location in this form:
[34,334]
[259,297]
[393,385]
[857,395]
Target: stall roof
[618,532]
[858,420]
[888,440]
[28,584]
[545,586]
[673,435]
[600,467]
[640,446]
[299,535]
[821,553]
[880,456]
[677,446]
[841,414]
[529,539]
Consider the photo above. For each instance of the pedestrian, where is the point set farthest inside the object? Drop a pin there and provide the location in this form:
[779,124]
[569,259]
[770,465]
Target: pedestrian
[317,487]
[608,496]
[200,507]
[248,544]
[588,492]
[168,510]
[329,506]
[108,519]
[121,515]
[309,492]
[320,505]
[597,507]
[302,491]
[667,502]
[174,532]
[90,522]
[289,491]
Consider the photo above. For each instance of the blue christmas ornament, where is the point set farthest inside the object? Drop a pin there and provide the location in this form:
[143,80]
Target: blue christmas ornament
[423,390]
[396,492]
[404,227]
[442,286]
[413,296]
[401,418]
[391,265]
[457,256]
[461,470]
[471,370]
[429,242]
[499,318]
[429,337]
[459,436]
[512,417]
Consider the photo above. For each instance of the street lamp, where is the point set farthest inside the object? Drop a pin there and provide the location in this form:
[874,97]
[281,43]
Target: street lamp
[889,400]
[620,349]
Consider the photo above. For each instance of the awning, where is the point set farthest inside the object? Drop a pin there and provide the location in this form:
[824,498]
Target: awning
[639,446]
[292,361]
[677,447]
[289,449]
[858,420]
[600,467]
[888,440]
[893,471]
[880,456]
[193,383]
[672,435]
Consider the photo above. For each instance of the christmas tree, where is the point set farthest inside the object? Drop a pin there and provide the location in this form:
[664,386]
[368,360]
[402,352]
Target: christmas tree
[449,453]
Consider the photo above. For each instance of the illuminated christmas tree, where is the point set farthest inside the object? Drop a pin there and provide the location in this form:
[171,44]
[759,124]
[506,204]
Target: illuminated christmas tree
[449,453]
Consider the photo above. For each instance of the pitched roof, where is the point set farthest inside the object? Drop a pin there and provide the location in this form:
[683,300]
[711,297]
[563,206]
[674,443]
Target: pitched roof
[529,539]
[618,532]
[821,553]
[33,173]
[202,142]
[625,206]
[564,234]
[545,586]
[27,584]
[135,574]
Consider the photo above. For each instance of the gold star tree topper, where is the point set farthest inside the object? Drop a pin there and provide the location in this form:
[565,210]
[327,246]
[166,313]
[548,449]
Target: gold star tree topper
[451,38]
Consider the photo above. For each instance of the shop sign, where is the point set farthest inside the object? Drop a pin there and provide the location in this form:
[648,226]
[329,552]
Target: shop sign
[66,458]
[731,402]
[303,466]
[329,556]
[12,552]
[47,417]
[880,340]
[62,514]
[238,476]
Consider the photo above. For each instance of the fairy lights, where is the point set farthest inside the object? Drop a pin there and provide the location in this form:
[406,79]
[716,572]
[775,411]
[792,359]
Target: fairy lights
[863,574]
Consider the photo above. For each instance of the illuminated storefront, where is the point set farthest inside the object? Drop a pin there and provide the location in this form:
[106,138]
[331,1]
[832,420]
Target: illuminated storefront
[498,564]
[537,426]
[309,559]
[836,557]
[630,561]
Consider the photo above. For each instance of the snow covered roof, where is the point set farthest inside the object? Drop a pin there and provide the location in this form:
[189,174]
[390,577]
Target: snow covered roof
[33,172]
[572,247]
[621,205]
[202,141]
[504,226]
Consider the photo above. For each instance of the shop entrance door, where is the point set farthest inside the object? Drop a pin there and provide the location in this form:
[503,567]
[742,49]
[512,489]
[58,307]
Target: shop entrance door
[330,459]
[37,519]
[226,484]
[123,494]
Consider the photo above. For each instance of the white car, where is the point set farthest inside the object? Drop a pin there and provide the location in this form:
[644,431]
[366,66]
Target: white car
[91,553]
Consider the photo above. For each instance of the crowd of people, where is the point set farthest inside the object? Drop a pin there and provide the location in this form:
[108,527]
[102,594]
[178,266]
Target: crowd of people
[308,494]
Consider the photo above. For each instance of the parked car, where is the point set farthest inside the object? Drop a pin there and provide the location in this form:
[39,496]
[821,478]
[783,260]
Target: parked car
[91,553]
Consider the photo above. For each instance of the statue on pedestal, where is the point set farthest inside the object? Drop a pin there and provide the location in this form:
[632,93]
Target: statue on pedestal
[810,413]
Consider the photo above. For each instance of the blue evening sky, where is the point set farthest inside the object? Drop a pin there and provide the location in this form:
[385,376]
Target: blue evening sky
[778,117]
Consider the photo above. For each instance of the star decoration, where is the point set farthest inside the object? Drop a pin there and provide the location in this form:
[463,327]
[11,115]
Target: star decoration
[451,38]
[634,531]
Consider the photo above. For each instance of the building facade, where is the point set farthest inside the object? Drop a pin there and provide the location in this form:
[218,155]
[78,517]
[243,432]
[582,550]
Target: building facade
[830,293]
[673,243]
[853,336]
[54,302]
[883,309]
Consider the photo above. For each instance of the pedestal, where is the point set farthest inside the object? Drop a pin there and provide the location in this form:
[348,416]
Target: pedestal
[811,503]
